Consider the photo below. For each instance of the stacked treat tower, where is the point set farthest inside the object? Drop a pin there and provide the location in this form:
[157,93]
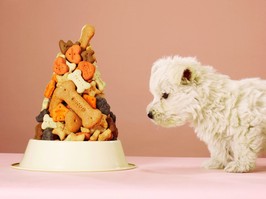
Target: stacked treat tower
[74,106]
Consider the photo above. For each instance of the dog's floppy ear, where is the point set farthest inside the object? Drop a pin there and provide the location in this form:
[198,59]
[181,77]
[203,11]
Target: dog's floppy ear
[188,76]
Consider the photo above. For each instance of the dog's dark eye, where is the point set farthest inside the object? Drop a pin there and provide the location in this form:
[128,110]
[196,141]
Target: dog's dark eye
[165,95]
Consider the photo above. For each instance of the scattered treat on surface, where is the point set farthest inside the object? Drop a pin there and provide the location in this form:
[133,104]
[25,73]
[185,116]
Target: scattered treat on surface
[74,107]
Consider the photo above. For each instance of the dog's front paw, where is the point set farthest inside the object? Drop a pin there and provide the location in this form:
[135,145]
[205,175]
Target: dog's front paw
[213,164]
[239,167]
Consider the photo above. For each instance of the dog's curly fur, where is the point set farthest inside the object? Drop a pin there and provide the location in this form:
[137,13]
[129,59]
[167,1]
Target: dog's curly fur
[228,115]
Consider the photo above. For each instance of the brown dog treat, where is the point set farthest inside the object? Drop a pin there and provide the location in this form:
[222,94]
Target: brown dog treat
[66,92]
[48,135]
[102,105]
[64,46]
[72,122]
[87,33]
[88,55]
[39,118]
[112,127]
[38,132]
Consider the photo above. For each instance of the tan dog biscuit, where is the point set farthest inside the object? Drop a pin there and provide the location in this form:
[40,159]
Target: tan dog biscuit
[87,33]
[72,122]
[75,137]
[100,83]
[95,135]
[89,116]
[61,132]
[106,135]
[93,90]
[54,102]
[86,134]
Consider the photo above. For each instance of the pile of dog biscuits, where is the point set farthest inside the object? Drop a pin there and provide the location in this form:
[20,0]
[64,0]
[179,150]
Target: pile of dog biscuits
[74,107]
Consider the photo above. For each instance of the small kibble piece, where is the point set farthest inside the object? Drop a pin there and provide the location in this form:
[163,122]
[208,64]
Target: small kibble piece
[48,135]
[39,118]
[102,105]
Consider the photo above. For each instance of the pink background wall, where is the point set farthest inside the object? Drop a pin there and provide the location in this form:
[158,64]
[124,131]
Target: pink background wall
[130,36]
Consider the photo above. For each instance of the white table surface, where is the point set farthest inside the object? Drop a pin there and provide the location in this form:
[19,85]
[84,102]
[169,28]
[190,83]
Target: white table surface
[154,177]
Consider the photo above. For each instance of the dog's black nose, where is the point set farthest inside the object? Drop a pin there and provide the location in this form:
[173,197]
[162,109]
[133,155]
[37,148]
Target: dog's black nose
[150,115]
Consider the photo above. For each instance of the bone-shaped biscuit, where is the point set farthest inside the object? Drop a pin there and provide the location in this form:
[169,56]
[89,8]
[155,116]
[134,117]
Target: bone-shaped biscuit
[61,132]
[106,135]
[79,81]
[87,33]
[100,83]
[93,90]
[45,103]
[72,122]
[48,122]
[66,92]
[95,135]
[71,66]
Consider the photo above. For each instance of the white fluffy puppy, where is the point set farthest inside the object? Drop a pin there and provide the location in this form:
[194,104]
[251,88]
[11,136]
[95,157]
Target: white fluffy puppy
[228,115]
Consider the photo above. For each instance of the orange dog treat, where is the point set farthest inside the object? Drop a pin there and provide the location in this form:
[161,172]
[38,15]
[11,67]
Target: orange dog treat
[87,70]
[60,67]
[49,89]
[73,54]
[91,100]
[59,113]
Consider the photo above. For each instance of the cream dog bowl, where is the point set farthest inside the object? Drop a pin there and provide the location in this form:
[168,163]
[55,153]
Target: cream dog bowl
[43,155]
